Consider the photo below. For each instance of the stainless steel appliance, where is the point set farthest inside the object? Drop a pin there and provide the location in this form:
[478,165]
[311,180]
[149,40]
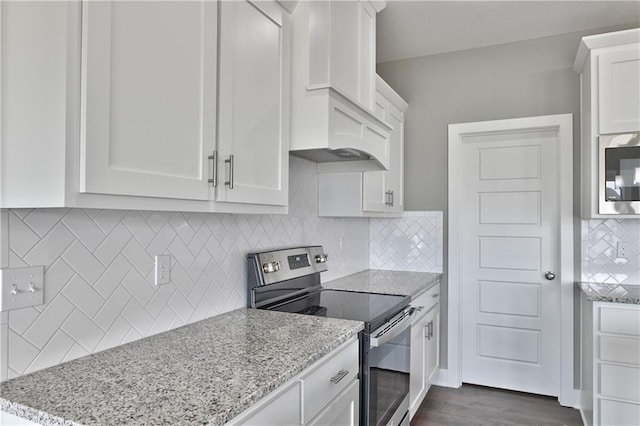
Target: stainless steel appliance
[289,280]
[619,174]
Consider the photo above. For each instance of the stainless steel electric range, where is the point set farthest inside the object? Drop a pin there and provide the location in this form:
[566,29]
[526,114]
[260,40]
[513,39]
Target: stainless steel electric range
[289,280]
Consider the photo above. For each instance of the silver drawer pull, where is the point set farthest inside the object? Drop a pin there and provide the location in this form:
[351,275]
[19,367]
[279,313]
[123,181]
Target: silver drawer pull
[231,171]
[435,295]
[341,375]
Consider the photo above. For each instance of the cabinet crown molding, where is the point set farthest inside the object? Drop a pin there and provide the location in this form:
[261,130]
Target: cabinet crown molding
[599,41]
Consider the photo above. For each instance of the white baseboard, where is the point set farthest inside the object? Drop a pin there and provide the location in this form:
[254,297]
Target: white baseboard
[441,378]
[583,417]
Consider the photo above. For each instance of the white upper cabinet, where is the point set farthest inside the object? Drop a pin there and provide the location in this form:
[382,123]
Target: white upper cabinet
[619,89]
[384,190]
[253,138]
[148,114]
[609,67]
[157,105]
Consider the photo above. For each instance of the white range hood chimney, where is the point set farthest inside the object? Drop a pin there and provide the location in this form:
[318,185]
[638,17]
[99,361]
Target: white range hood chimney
[333,108]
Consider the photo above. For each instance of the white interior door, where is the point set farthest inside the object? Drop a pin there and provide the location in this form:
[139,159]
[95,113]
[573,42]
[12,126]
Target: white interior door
[510,311]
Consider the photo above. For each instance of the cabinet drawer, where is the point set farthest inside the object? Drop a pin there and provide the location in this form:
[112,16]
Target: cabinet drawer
[344,410]
[618,413]
[620,349]
[280,408]
[427,299]
[318,389]
[620,321]
[620,382]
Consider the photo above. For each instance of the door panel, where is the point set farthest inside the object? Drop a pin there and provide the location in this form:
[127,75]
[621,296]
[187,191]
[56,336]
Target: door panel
[510,311]
[148,98]
[253,123]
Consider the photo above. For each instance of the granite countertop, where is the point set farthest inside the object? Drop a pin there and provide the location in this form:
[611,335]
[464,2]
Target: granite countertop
[386,282]
[618,293]
[203,373]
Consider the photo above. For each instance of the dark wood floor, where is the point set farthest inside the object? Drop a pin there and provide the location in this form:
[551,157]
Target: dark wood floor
[481,406]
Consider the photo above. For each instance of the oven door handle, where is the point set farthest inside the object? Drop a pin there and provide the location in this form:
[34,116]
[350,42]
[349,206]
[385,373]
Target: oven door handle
[391,329]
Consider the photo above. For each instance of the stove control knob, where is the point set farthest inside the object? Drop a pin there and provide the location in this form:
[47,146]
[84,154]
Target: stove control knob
[321,258]
[270,267]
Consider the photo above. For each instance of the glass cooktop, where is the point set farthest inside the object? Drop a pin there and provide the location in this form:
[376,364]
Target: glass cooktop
[372,309]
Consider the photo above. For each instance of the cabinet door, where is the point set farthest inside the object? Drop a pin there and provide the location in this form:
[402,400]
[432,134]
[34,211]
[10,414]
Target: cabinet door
[148,96]
[433,345]
[394,177]
[253,138]
[343,410]
[384,190]
[375,197]
[619,90]
[417,373]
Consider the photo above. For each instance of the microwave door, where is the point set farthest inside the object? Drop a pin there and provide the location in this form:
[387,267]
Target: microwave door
[619,174]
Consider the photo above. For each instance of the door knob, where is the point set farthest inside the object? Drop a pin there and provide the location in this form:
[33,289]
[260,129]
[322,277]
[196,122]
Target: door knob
[549,275]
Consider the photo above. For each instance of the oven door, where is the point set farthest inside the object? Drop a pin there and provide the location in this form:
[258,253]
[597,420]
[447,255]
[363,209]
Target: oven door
[385,364]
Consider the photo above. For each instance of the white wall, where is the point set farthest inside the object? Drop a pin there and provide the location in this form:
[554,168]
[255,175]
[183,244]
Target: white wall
[98,269]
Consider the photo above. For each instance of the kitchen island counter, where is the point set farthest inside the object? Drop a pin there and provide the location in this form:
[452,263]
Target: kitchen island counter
[203,373]
[386,282]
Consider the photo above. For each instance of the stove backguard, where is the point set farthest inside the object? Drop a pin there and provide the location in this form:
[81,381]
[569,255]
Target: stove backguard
[282,274]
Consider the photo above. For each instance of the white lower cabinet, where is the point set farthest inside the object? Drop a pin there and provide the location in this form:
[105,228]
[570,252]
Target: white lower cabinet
[425,347]
[326,393]
[282,407]
[343,410]
[610,363]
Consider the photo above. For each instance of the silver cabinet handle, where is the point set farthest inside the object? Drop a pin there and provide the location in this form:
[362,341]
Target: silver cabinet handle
[214,179]
[550,275]
[230,162]
[435,295]
[391,202]
[388,200]
[429,330]
[339,376]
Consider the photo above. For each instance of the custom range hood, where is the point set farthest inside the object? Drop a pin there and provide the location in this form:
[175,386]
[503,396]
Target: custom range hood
[340,136]
[335,120]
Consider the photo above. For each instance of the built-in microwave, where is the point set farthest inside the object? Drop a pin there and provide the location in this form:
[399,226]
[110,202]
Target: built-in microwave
[619,174]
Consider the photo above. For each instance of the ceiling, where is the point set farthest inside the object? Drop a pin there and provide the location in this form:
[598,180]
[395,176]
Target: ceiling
[409,29]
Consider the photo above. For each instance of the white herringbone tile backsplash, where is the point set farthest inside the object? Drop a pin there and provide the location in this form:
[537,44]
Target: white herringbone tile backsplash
[412,242]
[99,289]
[599,251]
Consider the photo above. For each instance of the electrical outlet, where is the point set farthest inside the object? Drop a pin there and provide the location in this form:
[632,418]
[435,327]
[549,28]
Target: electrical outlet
[623,250]
[162,271]
[21,287]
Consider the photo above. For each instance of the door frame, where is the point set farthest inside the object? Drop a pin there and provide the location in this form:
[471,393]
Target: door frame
[562,123]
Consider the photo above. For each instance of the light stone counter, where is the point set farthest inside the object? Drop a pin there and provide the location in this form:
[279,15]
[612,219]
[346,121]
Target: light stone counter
[386,282]
[203,373]
[617,293]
